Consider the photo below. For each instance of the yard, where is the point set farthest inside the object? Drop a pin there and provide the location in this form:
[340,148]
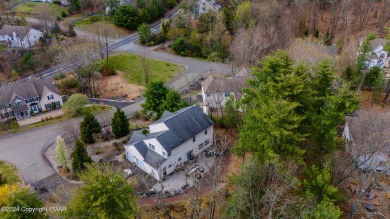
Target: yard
[132,66]
[9,174]
[35,7]
[15,128]
[94,23]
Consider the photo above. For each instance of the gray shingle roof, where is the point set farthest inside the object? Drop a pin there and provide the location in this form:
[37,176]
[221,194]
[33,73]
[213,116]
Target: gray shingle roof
[137,135]
[183,125]
[214,84]
[27,89]
[153,159]
[141,148]
[10,29]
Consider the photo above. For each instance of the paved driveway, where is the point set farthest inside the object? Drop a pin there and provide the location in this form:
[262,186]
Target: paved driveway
[25,151]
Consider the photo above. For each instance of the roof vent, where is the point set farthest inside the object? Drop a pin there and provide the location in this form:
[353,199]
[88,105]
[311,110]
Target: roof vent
[181,139]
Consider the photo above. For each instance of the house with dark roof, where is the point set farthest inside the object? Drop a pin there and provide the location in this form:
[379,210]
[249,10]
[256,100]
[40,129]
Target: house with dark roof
[19,36]
[172,140]
[367,139]
[23,99]
[217,89]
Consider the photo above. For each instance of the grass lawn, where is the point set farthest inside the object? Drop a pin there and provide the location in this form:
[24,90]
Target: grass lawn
[9,173]
[15,128]
[35,7]
[131,65]
[114,31]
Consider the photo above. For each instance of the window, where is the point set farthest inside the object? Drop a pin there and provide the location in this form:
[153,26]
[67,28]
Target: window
[152,147]
[227,94]
[57,103]
[169,154]
[208,94]
[170,165]
[179,159]
[163,153]
[50,97]
[193,139]
[207,142]
[205,132]
[18,103]
[48,106]
[200,146]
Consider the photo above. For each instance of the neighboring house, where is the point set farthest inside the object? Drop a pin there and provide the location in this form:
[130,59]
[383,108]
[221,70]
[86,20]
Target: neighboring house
[368,140]
[216,90]
[378,56]
[204,6]
[121,2]
[173,140]
[63,2]
[20,100]
[19,36]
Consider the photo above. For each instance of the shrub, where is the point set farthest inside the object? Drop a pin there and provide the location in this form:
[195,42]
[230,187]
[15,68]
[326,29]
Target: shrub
[63,14]
[107,69]
[137,115]
[179,46]
[70,83]
[59,76]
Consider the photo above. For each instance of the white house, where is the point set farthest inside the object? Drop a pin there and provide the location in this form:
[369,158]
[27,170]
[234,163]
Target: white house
[19,36]
[378,57]
[20,100]
[216,89]
[173,139]
[204,6]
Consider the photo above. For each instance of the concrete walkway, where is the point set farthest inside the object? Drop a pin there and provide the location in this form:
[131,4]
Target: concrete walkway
[37,118]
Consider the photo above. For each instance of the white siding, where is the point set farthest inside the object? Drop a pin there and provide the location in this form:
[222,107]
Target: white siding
[183,149]
[216,100]
[158,147]
[158,127]
[44,98]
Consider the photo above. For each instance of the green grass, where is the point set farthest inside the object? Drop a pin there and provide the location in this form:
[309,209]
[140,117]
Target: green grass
[15,128]
[9,173]
[94,109]
[2,47]
[34,7]
[92,19]
[132,66]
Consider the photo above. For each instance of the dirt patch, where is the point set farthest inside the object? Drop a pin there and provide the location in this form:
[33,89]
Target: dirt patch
[366,102]
[116,86]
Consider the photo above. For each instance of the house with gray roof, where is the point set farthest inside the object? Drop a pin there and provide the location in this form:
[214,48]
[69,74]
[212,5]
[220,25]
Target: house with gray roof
[19,36]
[217,89]
[172,140]
[22,99]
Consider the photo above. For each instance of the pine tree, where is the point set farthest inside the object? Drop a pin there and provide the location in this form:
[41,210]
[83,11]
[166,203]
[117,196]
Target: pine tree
[80,157]
[120,124]
[62,156]
[71,32]
[104,194]
[155,95]
[377,94]
[88,127]
[230,115]
[56,28]
[173,101]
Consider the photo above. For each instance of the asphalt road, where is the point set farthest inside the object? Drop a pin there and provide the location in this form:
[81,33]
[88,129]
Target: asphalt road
[25,151]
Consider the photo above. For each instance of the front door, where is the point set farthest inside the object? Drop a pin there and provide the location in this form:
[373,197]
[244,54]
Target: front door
[34,108]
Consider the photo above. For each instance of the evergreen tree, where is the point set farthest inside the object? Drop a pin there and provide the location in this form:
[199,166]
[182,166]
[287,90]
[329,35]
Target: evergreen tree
[145,34]
[88,127]
[120,124]
[104,194]
[56,28]
[378,90]
[71,32]
[230,114]
[127,16]
[173,101]
[74,5]
[155,95]
[371,76]
[80,157]
[62,156]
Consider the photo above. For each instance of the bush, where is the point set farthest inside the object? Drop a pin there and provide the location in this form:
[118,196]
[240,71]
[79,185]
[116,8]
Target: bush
[137,115]
[59,76]
[107,69]
[63,14]
[179,46]
[70,83]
